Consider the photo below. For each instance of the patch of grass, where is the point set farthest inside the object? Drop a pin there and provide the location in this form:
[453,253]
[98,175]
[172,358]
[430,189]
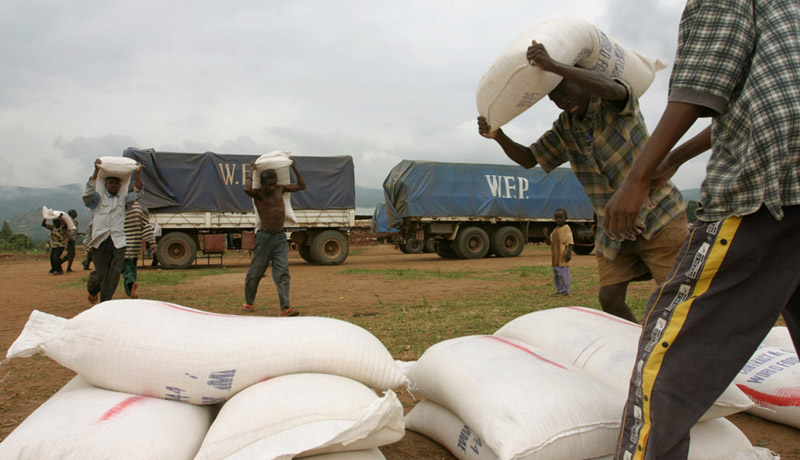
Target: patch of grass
[155,278]
[411,273]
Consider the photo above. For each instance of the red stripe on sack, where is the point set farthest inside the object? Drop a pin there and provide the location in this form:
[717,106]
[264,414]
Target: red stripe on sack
[119,408]
[190,310]
[605,315]
[787,397]
[520,347]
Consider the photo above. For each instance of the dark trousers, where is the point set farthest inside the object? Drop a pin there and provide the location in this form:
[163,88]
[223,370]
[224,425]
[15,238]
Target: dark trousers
[269,248]
[70,253]
[55,259]
[107,268]
[730,283]
[129,275]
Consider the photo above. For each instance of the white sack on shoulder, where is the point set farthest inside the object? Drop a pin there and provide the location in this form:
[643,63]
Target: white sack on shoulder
[82,422]
[771,378]
[279,161]
[522,400]
[602,345]
[121,167]
[512,85]
[779,337]
[298,415]
[717,439]
[52,214]
[371,454]
[168,351]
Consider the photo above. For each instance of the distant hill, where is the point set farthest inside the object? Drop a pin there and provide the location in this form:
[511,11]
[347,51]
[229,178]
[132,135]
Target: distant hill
[692,194]
[368,197]
[21,207]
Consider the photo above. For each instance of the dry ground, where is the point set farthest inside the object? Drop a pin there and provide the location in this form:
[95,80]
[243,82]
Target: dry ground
[317,291]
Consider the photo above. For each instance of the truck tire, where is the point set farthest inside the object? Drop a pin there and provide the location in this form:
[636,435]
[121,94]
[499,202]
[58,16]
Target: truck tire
[330,248]
[507,241]
[471,243]
[583,250]
[176,250]
[430,246]
[444,249]
[412,246]
[305,253]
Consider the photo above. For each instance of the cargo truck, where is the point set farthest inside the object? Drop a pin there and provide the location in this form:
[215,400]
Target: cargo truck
[470,211]
[199,197]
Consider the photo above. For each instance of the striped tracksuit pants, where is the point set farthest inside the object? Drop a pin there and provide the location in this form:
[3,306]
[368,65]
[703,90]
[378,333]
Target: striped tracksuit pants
[730,283]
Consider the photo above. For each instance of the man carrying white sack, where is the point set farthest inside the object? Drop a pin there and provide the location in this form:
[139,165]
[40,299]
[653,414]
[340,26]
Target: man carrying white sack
[600,133]
[270,244]
[737,61]
[108,232]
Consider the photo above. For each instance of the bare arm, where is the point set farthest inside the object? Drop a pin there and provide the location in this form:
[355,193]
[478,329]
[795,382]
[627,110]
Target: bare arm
[624,206]
[301,182]
[591,81]
[678,156]
[248,181]
[518,153]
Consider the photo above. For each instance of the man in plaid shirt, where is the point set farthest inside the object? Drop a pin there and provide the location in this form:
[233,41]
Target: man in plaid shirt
[738,61]
[600,132]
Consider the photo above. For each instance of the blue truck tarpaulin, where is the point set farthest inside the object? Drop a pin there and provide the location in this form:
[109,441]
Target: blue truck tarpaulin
[187,182]
[379,224]
[432,189]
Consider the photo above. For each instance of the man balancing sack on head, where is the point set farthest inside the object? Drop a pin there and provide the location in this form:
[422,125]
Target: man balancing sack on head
[600,133]
[270,244]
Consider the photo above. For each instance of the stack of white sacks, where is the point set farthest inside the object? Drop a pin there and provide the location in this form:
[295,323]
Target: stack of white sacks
[161,381]
[552,385]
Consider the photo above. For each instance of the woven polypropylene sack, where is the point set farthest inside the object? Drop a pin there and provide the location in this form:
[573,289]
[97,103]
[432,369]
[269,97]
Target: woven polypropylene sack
[370,454]
[512,85]
[121,167]
[298,415]
[779,337]
[771,378]
[602,345]
[82,422]
[524,402]
[279,161]
[168,351]
[52,214]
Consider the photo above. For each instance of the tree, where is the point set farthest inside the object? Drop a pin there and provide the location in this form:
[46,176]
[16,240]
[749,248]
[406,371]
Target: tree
[6,232]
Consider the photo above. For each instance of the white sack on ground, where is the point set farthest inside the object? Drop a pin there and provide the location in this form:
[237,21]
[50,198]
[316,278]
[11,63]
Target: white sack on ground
[52,214]
[280,161]
[371,454]
[600,344]
[771,378]
[444,427]
[82,422]
[512,85]
[121,167]
[522,400]
[717,439]
[779,337]
[168,351]
[298,415]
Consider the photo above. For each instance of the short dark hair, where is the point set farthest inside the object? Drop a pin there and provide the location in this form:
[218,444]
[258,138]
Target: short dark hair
[72,213]
[560,210]
[268,174]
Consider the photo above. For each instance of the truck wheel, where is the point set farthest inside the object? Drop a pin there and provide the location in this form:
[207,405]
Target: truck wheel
[507,241]
[176,250]
[305,253]
[444,249]
[330,248]
[583,250]
[471,243]
[413,246]
[430,246]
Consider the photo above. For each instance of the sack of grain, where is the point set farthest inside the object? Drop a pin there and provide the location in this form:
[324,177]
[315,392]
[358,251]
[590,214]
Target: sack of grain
[371,454]
[771,378]
[512,84]
[299,415]
[82,422]
[52,214]
[279,161]
[121,167]
[779,337]
[168,351]
[717,439]
[600,344]
[524,402]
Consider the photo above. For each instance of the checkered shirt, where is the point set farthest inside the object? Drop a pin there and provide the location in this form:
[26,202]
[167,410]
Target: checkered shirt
[740,59]
[601,148]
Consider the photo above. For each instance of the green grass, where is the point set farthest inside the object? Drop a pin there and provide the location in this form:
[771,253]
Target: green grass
[156,278]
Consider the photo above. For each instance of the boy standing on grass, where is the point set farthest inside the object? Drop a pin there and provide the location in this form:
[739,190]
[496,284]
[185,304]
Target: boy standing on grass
[560,241]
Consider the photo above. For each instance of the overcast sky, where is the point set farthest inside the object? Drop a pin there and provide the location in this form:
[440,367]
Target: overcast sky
[379,80]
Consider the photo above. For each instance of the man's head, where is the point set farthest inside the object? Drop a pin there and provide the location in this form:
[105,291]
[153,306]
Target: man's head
[570,97]
[269,179]
[560,216]
[72,213]
[113,185]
